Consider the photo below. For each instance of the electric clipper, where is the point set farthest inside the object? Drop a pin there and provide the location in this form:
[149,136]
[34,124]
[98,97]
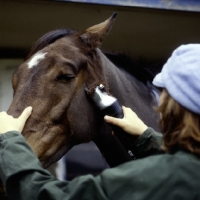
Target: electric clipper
[109,105]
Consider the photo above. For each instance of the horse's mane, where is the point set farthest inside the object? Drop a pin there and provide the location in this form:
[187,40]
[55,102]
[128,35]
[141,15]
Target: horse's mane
[139,68]
[49,38]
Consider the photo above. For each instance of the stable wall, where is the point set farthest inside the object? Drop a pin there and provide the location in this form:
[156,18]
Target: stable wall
[148,32]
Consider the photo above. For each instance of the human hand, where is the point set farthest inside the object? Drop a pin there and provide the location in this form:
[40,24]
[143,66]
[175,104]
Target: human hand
[131,123]
[8,123]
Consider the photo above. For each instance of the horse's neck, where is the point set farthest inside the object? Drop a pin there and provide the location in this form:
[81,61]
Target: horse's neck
[131,93]
[115,78]
[119,82]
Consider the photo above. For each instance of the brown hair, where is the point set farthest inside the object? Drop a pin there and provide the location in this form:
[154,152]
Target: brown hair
[181,127]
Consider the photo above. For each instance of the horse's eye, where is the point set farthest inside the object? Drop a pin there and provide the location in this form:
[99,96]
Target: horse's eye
[65,77]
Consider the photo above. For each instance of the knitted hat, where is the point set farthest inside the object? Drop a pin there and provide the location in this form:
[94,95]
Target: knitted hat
[181,76]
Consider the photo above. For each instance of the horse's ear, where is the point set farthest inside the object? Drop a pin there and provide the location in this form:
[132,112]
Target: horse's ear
[95,35]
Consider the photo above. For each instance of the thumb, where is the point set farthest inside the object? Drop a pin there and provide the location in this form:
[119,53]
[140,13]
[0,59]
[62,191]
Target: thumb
[113,120]
[24,116]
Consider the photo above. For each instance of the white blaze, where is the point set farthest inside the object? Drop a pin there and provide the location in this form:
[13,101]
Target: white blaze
[35,59]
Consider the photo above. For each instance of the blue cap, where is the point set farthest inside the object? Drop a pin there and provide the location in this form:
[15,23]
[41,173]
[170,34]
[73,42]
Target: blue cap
[181,76]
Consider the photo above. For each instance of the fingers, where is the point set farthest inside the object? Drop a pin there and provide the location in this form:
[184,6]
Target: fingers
[3,113]
[24,116]
[128,111]
[117,121]
[26,113]
[131,123]
[112,120]
[8,123]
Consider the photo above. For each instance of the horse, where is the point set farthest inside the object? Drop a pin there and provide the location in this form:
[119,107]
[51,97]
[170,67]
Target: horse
[53,79]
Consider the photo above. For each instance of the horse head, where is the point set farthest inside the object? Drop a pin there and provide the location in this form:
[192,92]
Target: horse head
[52,80]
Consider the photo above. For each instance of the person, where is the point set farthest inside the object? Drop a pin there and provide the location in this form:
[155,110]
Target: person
[171,175]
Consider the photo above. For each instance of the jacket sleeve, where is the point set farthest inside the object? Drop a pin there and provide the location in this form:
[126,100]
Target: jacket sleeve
[24,177]
[149,143]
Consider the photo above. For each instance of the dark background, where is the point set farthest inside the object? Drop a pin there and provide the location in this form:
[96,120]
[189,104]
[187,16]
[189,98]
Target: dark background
[140,31]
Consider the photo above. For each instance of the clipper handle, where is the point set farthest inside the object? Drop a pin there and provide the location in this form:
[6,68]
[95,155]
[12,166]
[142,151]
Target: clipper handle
[109,105]
[115,110]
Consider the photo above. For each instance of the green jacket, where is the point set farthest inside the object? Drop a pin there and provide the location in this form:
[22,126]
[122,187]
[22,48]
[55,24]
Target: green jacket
[165,176]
